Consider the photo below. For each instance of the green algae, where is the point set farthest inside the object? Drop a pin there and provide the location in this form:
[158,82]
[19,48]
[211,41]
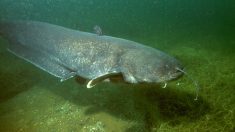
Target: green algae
[202,37]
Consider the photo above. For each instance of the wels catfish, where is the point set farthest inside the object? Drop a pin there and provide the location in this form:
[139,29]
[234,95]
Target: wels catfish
[66,53]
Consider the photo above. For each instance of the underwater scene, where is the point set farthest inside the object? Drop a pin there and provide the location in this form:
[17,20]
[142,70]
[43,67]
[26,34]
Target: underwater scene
[184,83]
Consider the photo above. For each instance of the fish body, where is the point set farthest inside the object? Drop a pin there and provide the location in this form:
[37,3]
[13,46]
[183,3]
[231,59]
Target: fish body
[66,53]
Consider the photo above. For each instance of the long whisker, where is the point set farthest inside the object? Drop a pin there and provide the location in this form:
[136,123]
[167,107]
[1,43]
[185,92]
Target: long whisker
[192,79]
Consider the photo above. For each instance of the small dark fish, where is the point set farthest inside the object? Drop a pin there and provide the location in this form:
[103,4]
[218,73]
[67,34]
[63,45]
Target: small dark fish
[97,30]
[66,53]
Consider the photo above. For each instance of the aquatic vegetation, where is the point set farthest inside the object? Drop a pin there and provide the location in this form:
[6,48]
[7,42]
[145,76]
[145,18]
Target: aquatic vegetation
[199,33]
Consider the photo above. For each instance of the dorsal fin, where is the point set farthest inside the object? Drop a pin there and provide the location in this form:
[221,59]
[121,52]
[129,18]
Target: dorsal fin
[97,29]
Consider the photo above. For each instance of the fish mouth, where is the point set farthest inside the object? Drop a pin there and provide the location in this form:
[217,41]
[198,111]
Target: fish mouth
[177,74]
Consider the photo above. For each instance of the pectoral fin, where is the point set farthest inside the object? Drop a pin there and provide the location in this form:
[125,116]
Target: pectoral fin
[91,83]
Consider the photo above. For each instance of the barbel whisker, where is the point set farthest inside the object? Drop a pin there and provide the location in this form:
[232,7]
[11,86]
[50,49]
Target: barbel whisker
[197,88]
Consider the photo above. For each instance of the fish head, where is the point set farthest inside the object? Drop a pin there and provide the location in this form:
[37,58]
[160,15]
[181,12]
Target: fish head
[166,69]
[154,66]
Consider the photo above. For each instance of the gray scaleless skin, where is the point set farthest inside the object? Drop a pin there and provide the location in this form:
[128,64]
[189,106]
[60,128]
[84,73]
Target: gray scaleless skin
[66,53]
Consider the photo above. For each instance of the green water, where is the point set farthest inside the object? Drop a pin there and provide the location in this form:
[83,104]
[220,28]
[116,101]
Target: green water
[200,33]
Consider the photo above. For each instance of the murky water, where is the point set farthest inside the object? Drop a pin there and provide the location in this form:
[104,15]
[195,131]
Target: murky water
[199,33]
